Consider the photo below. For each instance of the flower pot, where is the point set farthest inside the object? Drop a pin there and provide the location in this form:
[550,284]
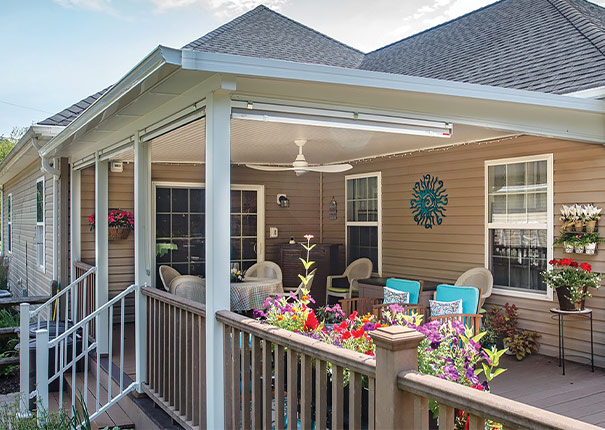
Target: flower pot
[565,304]
[568,247]
[590,226]
[505,346]
[579,249]
[591,248]
[118,233]
[569,227]
[578,225]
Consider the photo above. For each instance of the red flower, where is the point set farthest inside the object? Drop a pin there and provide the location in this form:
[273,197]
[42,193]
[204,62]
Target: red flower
[358,333]
[573,264]
[585,266]
[353,316]
[311,323]
[341,328]
[369,352]
[346,335]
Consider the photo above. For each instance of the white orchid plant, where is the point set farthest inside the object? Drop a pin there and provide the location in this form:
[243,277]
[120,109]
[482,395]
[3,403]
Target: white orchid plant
[593,213]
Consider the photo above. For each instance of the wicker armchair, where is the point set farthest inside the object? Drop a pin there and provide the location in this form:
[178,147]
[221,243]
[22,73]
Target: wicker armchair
[358,269]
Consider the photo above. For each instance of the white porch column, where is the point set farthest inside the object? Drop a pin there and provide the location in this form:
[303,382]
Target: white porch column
[101,250]
[218,184]
[142,248]
[75,220]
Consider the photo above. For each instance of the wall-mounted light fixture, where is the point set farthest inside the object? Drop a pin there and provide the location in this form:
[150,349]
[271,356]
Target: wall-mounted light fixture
[282,201]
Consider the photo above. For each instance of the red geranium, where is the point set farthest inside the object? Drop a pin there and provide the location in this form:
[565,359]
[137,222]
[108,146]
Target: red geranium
[346,335]
[585,266]
[357,333]
[353,316]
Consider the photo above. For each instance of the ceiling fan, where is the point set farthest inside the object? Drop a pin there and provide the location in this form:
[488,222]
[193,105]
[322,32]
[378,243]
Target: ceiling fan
[301,166]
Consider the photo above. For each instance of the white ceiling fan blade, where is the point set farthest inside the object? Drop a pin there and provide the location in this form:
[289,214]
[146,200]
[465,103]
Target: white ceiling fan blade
[335,168]
[268,168]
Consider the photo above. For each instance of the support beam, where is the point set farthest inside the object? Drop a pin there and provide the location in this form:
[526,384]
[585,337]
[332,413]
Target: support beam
[218,185]
[142,248]
[75,219]
[101,250]
[64,263]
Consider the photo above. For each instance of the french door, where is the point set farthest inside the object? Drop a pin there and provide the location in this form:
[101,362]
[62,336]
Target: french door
[179,228]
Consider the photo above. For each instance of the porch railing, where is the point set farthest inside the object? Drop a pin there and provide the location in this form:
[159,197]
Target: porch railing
[87,292]
[75,347]
[176,356]
[276,378]
[63,307]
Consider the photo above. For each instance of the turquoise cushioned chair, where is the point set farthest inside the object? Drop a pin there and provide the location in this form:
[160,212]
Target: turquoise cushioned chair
[413,288]
[471,298]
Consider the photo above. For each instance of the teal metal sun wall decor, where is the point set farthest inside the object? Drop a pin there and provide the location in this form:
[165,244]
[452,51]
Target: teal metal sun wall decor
[428,202]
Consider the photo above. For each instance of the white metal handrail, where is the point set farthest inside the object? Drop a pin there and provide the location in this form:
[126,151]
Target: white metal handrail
[63,363]
[70,295]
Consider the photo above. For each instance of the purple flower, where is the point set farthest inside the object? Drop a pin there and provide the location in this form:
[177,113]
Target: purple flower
[396,308]
[470,375]
[268,302]
[458,326]
[474,344]
[451,372]
[369,326]
[258,314]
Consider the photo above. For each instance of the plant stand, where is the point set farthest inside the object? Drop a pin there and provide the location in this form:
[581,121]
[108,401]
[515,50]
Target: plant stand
[560,314]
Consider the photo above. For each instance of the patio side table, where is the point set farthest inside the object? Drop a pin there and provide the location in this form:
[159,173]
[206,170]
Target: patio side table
[560,314]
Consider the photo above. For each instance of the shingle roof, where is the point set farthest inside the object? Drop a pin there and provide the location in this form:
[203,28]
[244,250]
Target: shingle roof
[264,33]
[67,115]
[552,46]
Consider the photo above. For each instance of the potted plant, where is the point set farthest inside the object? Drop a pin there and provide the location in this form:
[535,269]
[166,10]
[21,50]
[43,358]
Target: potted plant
[580,217]
[579,244]
[567,241]
[572,281]
[522,343]
[568,217]
[119,224]
[591,240]
[593,214]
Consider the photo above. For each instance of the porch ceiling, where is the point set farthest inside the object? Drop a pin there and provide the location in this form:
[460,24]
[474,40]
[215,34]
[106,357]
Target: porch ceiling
[273,143]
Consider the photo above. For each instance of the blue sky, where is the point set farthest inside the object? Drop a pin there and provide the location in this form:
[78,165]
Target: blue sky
[56,52]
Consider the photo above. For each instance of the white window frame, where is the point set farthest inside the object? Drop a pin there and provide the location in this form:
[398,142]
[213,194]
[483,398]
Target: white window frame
[9,223]
[548,226]
[41,265]
[260,220]
[377,223]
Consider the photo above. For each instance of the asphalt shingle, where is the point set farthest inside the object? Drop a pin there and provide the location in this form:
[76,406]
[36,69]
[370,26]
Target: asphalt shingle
[552,46]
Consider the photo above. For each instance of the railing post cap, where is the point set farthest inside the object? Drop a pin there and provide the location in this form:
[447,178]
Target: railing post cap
[396,338]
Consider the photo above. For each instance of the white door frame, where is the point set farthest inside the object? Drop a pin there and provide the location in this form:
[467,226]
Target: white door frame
[260,220]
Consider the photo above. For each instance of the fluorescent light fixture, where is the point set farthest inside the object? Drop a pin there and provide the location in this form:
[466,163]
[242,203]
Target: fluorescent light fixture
[346,120]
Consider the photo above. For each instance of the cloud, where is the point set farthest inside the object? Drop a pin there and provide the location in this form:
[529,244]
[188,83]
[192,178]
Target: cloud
[220,8]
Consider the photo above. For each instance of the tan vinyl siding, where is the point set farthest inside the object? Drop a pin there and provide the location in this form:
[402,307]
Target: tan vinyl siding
[32,278]
[300,218]
[443,253]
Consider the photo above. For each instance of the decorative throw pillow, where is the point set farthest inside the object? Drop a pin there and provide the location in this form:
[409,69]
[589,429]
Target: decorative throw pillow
[395,296]
[445,308]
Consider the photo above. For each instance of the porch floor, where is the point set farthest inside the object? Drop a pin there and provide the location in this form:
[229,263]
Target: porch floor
[537,381]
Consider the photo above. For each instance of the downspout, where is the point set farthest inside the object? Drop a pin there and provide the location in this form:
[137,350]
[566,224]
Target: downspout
[52,170]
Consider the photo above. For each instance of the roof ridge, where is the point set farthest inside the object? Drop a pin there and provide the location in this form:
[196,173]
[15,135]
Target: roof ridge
[258,9]
[437,26]
[577,19]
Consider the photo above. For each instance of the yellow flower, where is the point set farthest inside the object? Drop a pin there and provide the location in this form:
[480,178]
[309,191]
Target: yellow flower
[305,298]
[280,317]
[293,317]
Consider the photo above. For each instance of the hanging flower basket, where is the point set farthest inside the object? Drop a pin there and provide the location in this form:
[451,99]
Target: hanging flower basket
[119,224]
[118,233]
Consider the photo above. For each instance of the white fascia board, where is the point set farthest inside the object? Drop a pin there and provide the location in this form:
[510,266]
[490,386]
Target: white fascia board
[280,69]
[157,58]
[590,93]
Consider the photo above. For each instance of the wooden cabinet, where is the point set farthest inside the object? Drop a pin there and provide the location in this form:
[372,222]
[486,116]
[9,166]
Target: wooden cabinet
[324,255]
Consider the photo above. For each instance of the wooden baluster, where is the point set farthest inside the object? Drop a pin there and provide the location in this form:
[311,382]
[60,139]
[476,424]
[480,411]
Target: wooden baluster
[354,400]
[476,423]
[185,394]
[421,413]
[172,347]
[162,349]
[267,385]
[257,411]
[235,378]
[372,403]
[227,344]
[280,381]
[306,390]
[292,364]
[150,327]
[321,401]
[446,417]
[176,362]
[246,381]
[337,397]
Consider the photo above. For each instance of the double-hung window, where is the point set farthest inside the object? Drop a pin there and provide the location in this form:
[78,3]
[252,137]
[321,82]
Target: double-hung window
[363,218]
[519,201]
[40,222]
[9,223]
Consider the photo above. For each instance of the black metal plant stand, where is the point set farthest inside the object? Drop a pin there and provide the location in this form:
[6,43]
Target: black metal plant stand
[560,315]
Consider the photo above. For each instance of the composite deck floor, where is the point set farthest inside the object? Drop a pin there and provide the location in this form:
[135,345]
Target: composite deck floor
[538,381]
